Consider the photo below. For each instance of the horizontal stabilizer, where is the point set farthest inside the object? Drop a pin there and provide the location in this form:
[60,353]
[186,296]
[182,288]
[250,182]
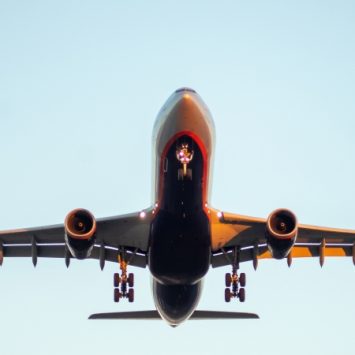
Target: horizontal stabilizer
[127,315]
[222,315]
[197,315]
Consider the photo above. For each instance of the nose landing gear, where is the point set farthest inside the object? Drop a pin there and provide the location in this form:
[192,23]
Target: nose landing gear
[184,155]
[124,283]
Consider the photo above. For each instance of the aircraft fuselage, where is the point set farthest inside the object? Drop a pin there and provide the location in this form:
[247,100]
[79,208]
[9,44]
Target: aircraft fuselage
[180,243]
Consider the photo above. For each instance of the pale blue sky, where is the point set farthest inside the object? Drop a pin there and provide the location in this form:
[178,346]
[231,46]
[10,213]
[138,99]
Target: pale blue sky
[81,83]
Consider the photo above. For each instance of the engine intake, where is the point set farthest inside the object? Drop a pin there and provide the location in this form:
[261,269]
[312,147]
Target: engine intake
[281,232]
[80,228]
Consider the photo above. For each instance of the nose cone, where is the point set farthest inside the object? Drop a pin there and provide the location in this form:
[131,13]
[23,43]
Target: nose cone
[184,111]
[184,102]
[185,89]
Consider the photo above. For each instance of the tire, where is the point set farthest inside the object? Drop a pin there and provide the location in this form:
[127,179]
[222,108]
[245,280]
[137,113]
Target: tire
[130,280]
[116,279]
[241,295]
[227,295]
[131,295]
[116,295]
[243,279]
[228,279]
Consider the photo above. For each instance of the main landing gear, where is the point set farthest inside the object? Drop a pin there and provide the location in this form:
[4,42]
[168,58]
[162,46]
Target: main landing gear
[235,282]
[124,283]
[235,286]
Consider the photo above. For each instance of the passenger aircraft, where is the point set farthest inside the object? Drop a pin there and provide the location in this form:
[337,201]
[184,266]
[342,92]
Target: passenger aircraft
[180,235]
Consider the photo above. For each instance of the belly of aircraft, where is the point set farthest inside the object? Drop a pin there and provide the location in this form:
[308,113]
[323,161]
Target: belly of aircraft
[180,248]
[180,245]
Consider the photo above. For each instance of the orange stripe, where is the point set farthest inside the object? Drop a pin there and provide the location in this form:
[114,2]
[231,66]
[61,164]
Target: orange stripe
[306,252]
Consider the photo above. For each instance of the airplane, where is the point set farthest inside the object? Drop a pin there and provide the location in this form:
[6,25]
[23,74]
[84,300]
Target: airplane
[180,236]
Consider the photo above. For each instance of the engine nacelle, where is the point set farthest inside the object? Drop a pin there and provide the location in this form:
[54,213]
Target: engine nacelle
[80,228]
[281,232]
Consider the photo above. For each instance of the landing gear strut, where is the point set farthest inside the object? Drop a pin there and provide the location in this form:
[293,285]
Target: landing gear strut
[235,282]
[184,155]
[123,284]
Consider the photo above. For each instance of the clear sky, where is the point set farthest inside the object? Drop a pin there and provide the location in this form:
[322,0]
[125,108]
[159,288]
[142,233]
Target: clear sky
[81,83]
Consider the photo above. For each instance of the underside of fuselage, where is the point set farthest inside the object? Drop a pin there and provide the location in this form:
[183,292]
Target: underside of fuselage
[180,244]
[180,236]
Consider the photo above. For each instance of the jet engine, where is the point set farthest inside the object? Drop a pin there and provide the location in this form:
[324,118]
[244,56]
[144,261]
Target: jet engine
[80,228]
[281,232]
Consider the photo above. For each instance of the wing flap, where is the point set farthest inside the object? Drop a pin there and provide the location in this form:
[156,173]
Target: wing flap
[309,251]
[298,251]
[59,251]
[50,251]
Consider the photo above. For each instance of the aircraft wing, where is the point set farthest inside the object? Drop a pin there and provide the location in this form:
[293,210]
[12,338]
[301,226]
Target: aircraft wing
[230,231]
[130,232]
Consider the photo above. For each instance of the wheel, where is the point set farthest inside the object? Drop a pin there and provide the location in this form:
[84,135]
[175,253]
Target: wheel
[131,295]
[242,279]
[116,295]
[228,279]
[227,295]
[241,295]
[116,279]
[130,280]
